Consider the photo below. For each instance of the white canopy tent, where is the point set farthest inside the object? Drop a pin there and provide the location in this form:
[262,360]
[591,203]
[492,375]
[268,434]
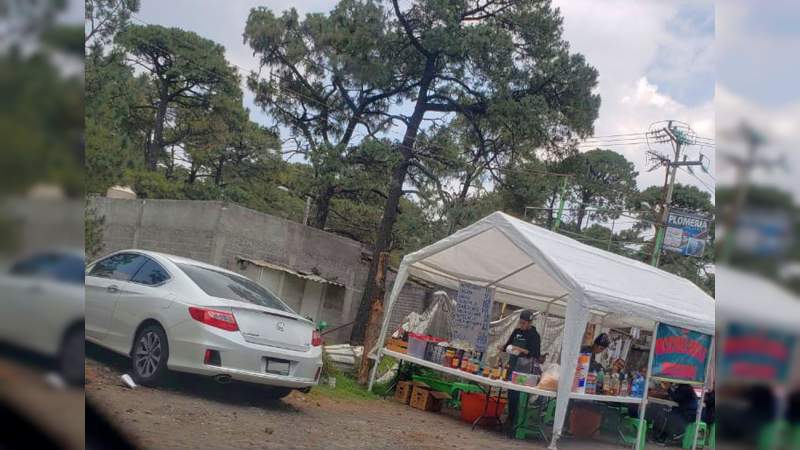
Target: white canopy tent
[751,299]
[537,269]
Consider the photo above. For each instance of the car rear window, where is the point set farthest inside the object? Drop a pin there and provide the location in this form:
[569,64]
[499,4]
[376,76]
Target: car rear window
[232,287]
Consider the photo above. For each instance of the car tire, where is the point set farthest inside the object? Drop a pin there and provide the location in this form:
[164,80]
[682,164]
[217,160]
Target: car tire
[71,356]
[277,393]
[149,355]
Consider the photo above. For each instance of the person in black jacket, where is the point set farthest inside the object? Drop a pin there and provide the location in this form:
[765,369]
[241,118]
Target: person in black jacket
[525,344]
[669,423]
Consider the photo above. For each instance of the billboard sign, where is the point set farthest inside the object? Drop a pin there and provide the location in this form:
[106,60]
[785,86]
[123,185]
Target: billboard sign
[686,233]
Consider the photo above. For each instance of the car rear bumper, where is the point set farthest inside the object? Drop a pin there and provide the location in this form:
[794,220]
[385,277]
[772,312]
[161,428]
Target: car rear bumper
[241,360]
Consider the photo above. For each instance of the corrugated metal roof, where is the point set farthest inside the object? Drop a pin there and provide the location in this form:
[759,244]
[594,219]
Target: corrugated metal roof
[297,273]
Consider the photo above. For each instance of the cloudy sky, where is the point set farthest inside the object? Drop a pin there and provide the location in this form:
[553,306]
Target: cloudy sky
[757,83]
[655,59]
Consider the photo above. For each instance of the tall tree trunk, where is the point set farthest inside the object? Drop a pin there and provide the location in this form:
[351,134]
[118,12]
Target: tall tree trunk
[218,173]
[373,324]
[585,198]
[322,207]
[581,215]
[158,129]
[458,204]
[375,288]
[551,209]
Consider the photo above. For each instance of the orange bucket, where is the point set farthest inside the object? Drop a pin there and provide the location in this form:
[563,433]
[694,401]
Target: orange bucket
[473,403]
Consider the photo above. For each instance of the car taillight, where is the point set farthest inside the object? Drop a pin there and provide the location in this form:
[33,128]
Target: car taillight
[316,338]
[220,319]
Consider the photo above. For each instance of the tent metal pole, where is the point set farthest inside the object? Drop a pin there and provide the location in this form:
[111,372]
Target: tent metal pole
[703,395]
[643,405]
[510,274]
[399,282]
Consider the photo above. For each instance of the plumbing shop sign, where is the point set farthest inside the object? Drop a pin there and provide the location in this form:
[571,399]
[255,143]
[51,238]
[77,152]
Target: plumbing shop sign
[686,233]
[681,354]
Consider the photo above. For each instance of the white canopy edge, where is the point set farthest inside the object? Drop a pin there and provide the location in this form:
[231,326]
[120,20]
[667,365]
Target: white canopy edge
[600,276]
[751,299]
[538,269]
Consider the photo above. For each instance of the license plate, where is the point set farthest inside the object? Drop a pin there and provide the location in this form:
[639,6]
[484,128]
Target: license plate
[278,367]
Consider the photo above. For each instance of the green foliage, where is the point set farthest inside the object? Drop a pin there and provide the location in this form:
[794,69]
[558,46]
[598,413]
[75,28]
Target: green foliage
[603,180]
[105,17]
[41,122]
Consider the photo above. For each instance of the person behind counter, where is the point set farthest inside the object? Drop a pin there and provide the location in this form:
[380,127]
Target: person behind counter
[525,345]
[669,423]
[601,343]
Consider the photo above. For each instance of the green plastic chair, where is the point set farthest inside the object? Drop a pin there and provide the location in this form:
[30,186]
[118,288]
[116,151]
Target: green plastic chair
[773,435]
[629,430]
[688,435]
[534,419]
[454,389]
[712,436]
[794,437]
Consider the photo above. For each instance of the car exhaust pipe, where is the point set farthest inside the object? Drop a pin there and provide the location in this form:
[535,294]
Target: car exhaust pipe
[223,379]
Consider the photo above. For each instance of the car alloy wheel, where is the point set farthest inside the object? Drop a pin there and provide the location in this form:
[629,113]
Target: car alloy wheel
[148,354]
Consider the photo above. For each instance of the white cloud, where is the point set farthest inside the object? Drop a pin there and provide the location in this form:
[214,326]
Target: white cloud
[623,40]
[778,125]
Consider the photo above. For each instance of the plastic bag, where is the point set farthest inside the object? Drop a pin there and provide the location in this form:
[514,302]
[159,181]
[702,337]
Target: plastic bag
[549,380]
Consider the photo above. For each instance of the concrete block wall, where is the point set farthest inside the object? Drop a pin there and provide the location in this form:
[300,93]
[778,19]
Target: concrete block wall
[219,232]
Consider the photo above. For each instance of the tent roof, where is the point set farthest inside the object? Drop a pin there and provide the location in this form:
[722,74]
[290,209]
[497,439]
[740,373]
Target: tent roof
[535,268]
[747,298]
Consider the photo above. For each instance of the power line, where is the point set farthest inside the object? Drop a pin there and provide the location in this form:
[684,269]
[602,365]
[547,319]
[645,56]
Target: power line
[709,188]
[641,133]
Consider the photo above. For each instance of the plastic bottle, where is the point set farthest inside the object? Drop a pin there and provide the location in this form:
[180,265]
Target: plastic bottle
[615,384]
[638,386]
[607,383]
[599,383]
[591,383]
[624,386]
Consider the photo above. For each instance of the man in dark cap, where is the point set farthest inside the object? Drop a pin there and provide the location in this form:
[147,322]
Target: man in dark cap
[525,345]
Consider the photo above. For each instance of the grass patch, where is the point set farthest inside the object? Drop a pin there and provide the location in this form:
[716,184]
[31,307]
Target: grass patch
[347,388]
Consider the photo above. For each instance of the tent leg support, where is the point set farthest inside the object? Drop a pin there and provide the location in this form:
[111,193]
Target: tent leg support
[554,442]
[374,371]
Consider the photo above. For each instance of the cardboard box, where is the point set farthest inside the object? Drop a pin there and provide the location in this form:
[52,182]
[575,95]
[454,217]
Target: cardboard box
[402,392]
[397,345]
[427,400]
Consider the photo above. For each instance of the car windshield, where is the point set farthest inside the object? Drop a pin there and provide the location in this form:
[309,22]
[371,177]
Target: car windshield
[232,287]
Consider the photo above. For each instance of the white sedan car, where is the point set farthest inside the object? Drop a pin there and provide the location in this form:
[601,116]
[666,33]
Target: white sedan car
[168,312]
[41,308]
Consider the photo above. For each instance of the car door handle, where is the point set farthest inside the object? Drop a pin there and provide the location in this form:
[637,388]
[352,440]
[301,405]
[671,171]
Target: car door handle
[113,289]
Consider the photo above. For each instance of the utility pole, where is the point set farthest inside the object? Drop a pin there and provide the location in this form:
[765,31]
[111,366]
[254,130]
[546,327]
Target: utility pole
[678,139]
[563,196]
[744,166]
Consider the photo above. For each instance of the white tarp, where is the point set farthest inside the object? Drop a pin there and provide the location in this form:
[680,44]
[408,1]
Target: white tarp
[538,269]
[751,299]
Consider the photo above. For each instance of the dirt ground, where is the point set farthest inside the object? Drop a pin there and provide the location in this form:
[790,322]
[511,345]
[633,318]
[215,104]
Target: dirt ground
[58,412]
[195,412]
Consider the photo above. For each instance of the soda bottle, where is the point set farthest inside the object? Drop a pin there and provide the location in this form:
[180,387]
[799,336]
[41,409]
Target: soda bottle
[599,383]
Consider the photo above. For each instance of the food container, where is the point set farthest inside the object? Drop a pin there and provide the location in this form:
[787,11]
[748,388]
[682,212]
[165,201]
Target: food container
[417,344]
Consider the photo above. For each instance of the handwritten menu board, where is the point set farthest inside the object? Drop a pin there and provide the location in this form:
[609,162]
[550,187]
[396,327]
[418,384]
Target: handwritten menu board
[472,316]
